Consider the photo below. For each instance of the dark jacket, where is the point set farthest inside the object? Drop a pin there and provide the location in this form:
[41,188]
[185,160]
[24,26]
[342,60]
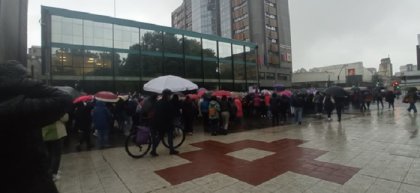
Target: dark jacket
[298,101]
[25,107]
[164,115]
[83,117]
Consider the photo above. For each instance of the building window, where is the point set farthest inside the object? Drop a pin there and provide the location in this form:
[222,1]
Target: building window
[261,75]
[126,37]
[270,76]
[97,63]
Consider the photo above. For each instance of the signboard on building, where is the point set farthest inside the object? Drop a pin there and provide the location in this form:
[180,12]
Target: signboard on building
[351,72]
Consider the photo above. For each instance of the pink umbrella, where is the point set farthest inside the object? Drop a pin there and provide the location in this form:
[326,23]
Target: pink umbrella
[221,93]
[83,99]
[106,96]
[201,92]
[287,93]
[193,96]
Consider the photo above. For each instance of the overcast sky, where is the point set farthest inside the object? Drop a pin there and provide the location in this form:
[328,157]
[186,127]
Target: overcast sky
[324,32]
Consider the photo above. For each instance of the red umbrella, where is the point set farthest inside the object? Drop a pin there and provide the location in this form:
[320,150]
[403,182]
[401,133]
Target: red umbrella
[106,96]
[287,93]
[83,99]
[193,96]
[221,93]
[201,92]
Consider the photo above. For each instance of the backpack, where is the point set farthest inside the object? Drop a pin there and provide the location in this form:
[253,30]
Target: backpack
[213,110]
[143,135]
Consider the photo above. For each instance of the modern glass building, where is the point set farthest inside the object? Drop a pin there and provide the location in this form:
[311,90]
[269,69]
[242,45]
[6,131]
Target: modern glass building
[103,53]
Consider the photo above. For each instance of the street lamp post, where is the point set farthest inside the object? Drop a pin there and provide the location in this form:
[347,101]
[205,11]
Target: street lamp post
[328,83]
[338,77]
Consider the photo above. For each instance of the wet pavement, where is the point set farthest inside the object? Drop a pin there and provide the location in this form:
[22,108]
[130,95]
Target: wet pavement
[378,151]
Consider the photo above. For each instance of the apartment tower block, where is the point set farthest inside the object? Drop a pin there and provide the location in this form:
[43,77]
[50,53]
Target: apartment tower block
[264,22]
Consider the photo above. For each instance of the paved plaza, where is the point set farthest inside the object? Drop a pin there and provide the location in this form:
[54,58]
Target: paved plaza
[372,152]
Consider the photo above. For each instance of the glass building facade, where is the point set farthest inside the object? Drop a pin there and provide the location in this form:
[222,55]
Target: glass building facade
[96,52]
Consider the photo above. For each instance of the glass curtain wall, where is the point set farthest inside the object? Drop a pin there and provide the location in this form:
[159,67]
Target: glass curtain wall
[210,61]
[251,65]
[174,54]
[151,42]
[193,65]
[99,53]
[225,66]
[126,53]
[239,67]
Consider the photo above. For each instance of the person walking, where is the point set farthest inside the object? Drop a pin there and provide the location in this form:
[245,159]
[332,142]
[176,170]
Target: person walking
[162,123]
[379,99]
[339,105]
[317,100]
[298,102]
[329,104]
[390,98]
[411,98]
[214,115]
[101,117]
[52,135]
[26,106]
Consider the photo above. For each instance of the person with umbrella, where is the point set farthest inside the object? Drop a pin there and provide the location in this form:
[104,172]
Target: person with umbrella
[411,98]
[339,95]
[329,104]
[162,122]
[25,107]
[390,98]
[379,98]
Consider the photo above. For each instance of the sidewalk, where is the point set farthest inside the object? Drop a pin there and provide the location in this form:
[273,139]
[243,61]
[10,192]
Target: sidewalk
[374,152]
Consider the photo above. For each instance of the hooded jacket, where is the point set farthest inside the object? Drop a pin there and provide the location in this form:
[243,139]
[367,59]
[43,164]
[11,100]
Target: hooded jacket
[25,107]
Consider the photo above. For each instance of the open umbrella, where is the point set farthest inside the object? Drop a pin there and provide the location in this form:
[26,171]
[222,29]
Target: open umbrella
[69,90]
[106,96]
[279,87]
[193,96]
[173,83]
[287,93]
[221,93]
[336,91]
[84,98]
[123,97]
[411,89]
[201,92]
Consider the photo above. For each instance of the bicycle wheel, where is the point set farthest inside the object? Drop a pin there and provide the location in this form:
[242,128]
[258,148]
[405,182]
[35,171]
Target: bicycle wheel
[178,137]
[134,149]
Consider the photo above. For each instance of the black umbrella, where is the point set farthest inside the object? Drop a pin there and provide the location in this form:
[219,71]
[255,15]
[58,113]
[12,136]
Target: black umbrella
[336,91]
[411,89]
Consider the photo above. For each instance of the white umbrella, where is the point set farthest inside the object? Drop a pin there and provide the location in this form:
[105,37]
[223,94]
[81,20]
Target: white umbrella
[173,83]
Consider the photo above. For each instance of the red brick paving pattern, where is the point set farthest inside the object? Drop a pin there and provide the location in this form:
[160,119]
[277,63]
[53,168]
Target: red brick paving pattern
[287,156]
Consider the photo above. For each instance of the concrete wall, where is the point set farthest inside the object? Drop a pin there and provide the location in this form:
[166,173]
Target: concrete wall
[13,33]
[333,72]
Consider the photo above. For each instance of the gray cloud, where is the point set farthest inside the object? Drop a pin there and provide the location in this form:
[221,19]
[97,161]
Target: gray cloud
[326,32]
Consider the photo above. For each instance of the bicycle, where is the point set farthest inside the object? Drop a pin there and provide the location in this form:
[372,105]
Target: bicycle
[178,136]
[139,142]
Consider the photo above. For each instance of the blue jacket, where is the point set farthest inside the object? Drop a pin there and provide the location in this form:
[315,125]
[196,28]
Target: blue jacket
[101,116]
